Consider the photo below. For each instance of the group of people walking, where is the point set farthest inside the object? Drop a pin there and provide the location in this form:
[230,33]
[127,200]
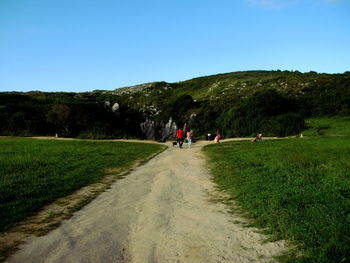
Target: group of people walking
[180,137]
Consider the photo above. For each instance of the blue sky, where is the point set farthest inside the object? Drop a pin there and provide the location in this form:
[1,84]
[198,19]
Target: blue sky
[84,45]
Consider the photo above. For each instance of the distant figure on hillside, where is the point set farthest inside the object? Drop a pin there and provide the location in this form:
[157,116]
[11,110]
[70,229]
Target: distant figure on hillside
[180,137]
[217,138]
[189,138]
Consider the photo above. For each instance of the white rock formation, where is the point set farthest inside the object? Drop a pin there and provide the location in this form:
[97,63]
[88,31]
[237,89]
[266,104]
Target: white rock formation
[115,107]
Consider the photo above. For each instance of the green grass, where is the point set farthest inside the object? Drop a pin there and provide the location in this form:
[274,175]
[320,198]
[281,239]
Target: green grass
[328,126]
[298,189]
[34,173]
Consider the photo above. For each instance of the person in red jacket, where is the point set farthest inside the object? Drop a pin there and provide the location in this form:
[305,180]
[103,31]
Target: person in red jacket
[180,137]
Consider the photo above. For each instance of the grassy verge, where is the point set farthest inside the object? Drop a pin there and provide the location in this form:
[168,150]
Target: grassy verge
[328,126]
[298,189]
[34,173]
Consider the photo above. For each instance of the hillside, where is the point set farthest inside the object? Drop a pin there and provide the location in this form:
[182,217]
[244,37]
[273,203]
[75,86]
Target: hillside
[237,104]
[235,86]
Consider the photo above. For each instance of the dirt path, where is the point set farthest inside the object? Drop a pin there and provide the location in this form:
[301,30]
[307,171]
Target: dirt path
[161,212]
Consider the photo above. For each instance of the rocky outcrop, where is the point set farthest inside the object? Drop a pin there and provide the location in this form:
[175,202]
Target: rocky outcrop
[169,131]
[115,107]
[148,128]
[154,131]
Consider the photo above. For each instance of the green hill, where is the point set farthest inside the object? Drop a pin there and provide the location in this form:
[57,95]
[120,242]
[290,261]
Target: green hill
[236,104]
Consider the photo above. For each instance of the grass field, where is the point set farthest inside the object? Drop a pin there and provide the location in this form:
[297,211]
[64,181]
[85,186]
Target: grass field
[34,173]
[328,126]
[298,189]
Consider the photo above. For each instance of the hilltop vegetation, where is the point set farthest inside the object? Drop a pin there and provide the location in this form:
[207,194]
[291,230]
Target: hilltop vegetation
[236,104]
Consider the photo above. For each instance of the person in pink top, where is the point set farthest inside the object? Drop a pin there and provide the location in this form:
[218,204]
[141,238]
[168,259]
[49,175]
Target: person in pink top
[180,137]
[189,138]
[217,138]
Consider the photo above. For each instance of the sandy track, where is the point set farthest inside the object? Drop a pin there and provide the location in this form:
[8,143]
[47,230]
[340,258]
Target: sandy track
[161,212]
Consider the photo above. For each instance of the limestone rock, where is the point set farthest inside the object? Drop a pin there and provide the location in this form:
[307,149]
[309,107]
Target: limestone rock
[169,131]
[115,107]
[148,128]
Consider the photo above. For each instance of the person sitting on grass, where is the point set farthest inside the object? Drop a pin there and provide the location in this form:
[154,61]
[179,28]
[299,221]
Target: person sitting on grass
[258,138]
[217,138]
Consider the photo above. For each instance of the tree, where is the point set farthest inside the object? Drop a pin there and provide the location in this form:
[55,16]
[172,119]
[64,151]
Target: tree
[265,111]
[61,116]
[178,110]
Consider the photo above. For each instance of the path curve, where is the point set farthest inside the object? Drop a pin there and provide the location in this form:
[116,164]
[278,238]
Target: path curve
[161,212]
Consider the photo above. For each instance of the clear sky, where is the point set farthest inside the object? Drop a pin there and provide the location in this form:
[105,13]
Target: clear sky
[84,45]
